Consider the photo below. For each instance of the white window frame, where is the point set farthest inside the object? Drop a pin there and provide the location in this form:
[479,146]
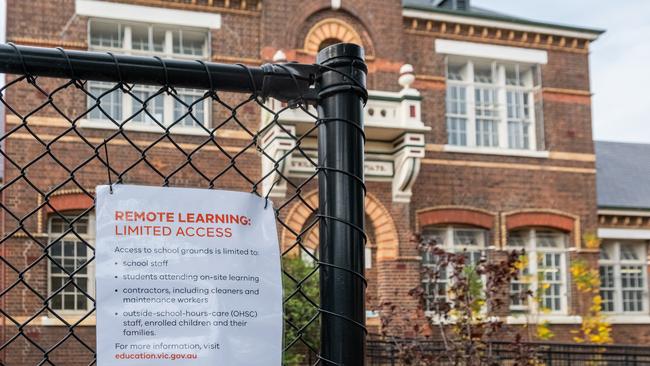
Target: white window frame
[533,253]
[89,237]
[617,263]
[499,84]
[125,29]
[449,246]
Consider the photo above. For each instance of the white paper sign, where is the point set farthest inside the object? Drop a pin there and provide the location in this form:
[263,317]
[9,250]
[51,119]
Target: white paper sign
[187,275]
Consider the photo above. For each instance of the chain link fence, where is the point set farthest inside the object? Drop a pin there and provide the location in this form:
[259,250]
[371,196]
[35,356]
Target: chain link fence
[75,120]
[388,352]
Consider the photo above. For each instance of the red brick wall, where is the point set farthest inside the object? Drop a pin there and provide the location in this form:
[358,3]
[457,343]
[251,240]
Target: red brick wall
[497,184]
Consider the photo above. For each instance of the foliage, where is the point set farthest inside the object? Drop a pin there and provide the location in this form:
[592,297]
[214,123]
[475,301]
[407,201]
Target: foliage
[594,328]
[591,240]
[461,318]
[301,291]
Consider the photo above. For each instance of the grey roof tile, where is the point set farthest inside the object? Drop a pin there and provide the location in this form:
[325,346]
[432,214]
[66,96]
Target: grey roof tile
[623,175]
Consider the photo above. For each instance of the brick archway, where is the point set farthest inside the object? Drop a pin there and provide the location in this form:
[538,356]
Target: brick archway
[554,219]
[327,29]
[460,215]
[383,226]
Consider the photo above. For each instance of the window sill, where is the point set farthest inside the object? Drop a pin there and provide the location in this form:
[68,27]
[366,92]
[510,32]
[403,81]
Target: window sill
[441,320]
[550,318]
[70,317]
[627,318]
[496,151]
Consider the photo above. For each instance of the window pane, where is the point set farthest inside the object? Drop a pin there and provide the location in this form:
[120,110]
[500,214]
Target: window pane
[81,226]
[518,238]
[193,43]
[629,252]
[549,239]
[105,35]
[82,301]
[455,72]
[56,283]
[55,249]
[468,237]
[486,110]
[436,235]
[518,111]
[69,302]
[57,302]
[457,115]
[82,283]
[550,277]
[72,254]
[483,74]
[487,133]
[519,288]
[632,284]
[68,248]
[607,287]
[140,38]
[148,108]
[606,252]
[189,101]
[105,105]
[159,35]
[56,225]
[82,251]
[435,294]
[457,131]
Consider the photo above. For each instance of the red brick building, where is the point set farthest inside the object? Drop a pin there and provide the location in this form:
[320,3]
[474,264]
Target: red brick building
[478,126]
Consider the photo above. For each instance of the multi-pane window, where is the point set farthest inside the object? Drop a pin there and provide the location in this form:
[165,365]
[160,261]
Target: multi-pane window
[453,239]
[623,278]
[490,104]
[519,108]
[143,107]
[543,272]
[70,275]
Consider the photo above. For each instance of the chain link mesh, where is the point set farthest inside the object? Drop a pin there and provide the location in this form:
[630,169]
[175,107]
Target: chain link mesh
[66,136]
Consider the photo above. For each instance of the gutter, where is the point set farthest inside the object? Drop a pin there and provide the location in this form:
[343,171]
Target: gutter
[506,22]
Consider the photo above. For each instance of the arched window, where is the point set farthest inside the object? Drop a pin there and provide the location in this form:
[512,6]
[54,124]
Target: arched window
[453,239]
[70,253]
[543,272]
[328,32]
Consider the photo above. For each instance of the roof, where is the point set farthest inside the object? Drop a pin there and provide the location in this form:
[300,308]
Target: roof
[623,175]
[481,13]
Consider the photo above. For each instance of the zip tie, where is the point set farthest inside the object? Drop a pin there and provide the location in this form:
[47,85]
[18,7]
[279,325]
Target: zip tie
[208,74]
[251,79]
[67,59]
[108,168]
[117,68]
[22,61]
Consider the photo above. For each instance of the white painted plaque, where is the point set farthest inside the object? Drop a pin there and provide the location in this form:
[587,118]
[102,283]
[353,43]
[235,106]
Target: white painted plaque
[187,275]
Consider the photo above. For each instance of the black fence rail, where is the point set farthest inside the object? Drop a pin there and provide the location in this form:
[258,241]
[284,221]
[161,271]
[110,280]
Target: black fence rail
[383,352]
[75,120]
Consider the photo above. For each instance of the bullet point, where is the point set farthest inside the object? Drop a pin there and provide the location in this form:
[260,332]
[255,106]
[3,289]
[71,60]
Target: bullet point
[115,313]
[115,276]
[116,263]
[115,290]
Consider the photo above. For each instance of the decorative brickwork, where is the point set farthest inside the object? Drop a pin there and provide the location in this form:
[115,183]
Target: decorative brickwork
[69,202]
[542,218]
[382,226]
[497,192]
[330,30]
[451,215]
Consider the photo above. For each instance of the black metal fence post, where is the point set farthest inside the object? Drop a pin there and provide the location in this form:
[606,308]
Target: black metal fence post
[342,94]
